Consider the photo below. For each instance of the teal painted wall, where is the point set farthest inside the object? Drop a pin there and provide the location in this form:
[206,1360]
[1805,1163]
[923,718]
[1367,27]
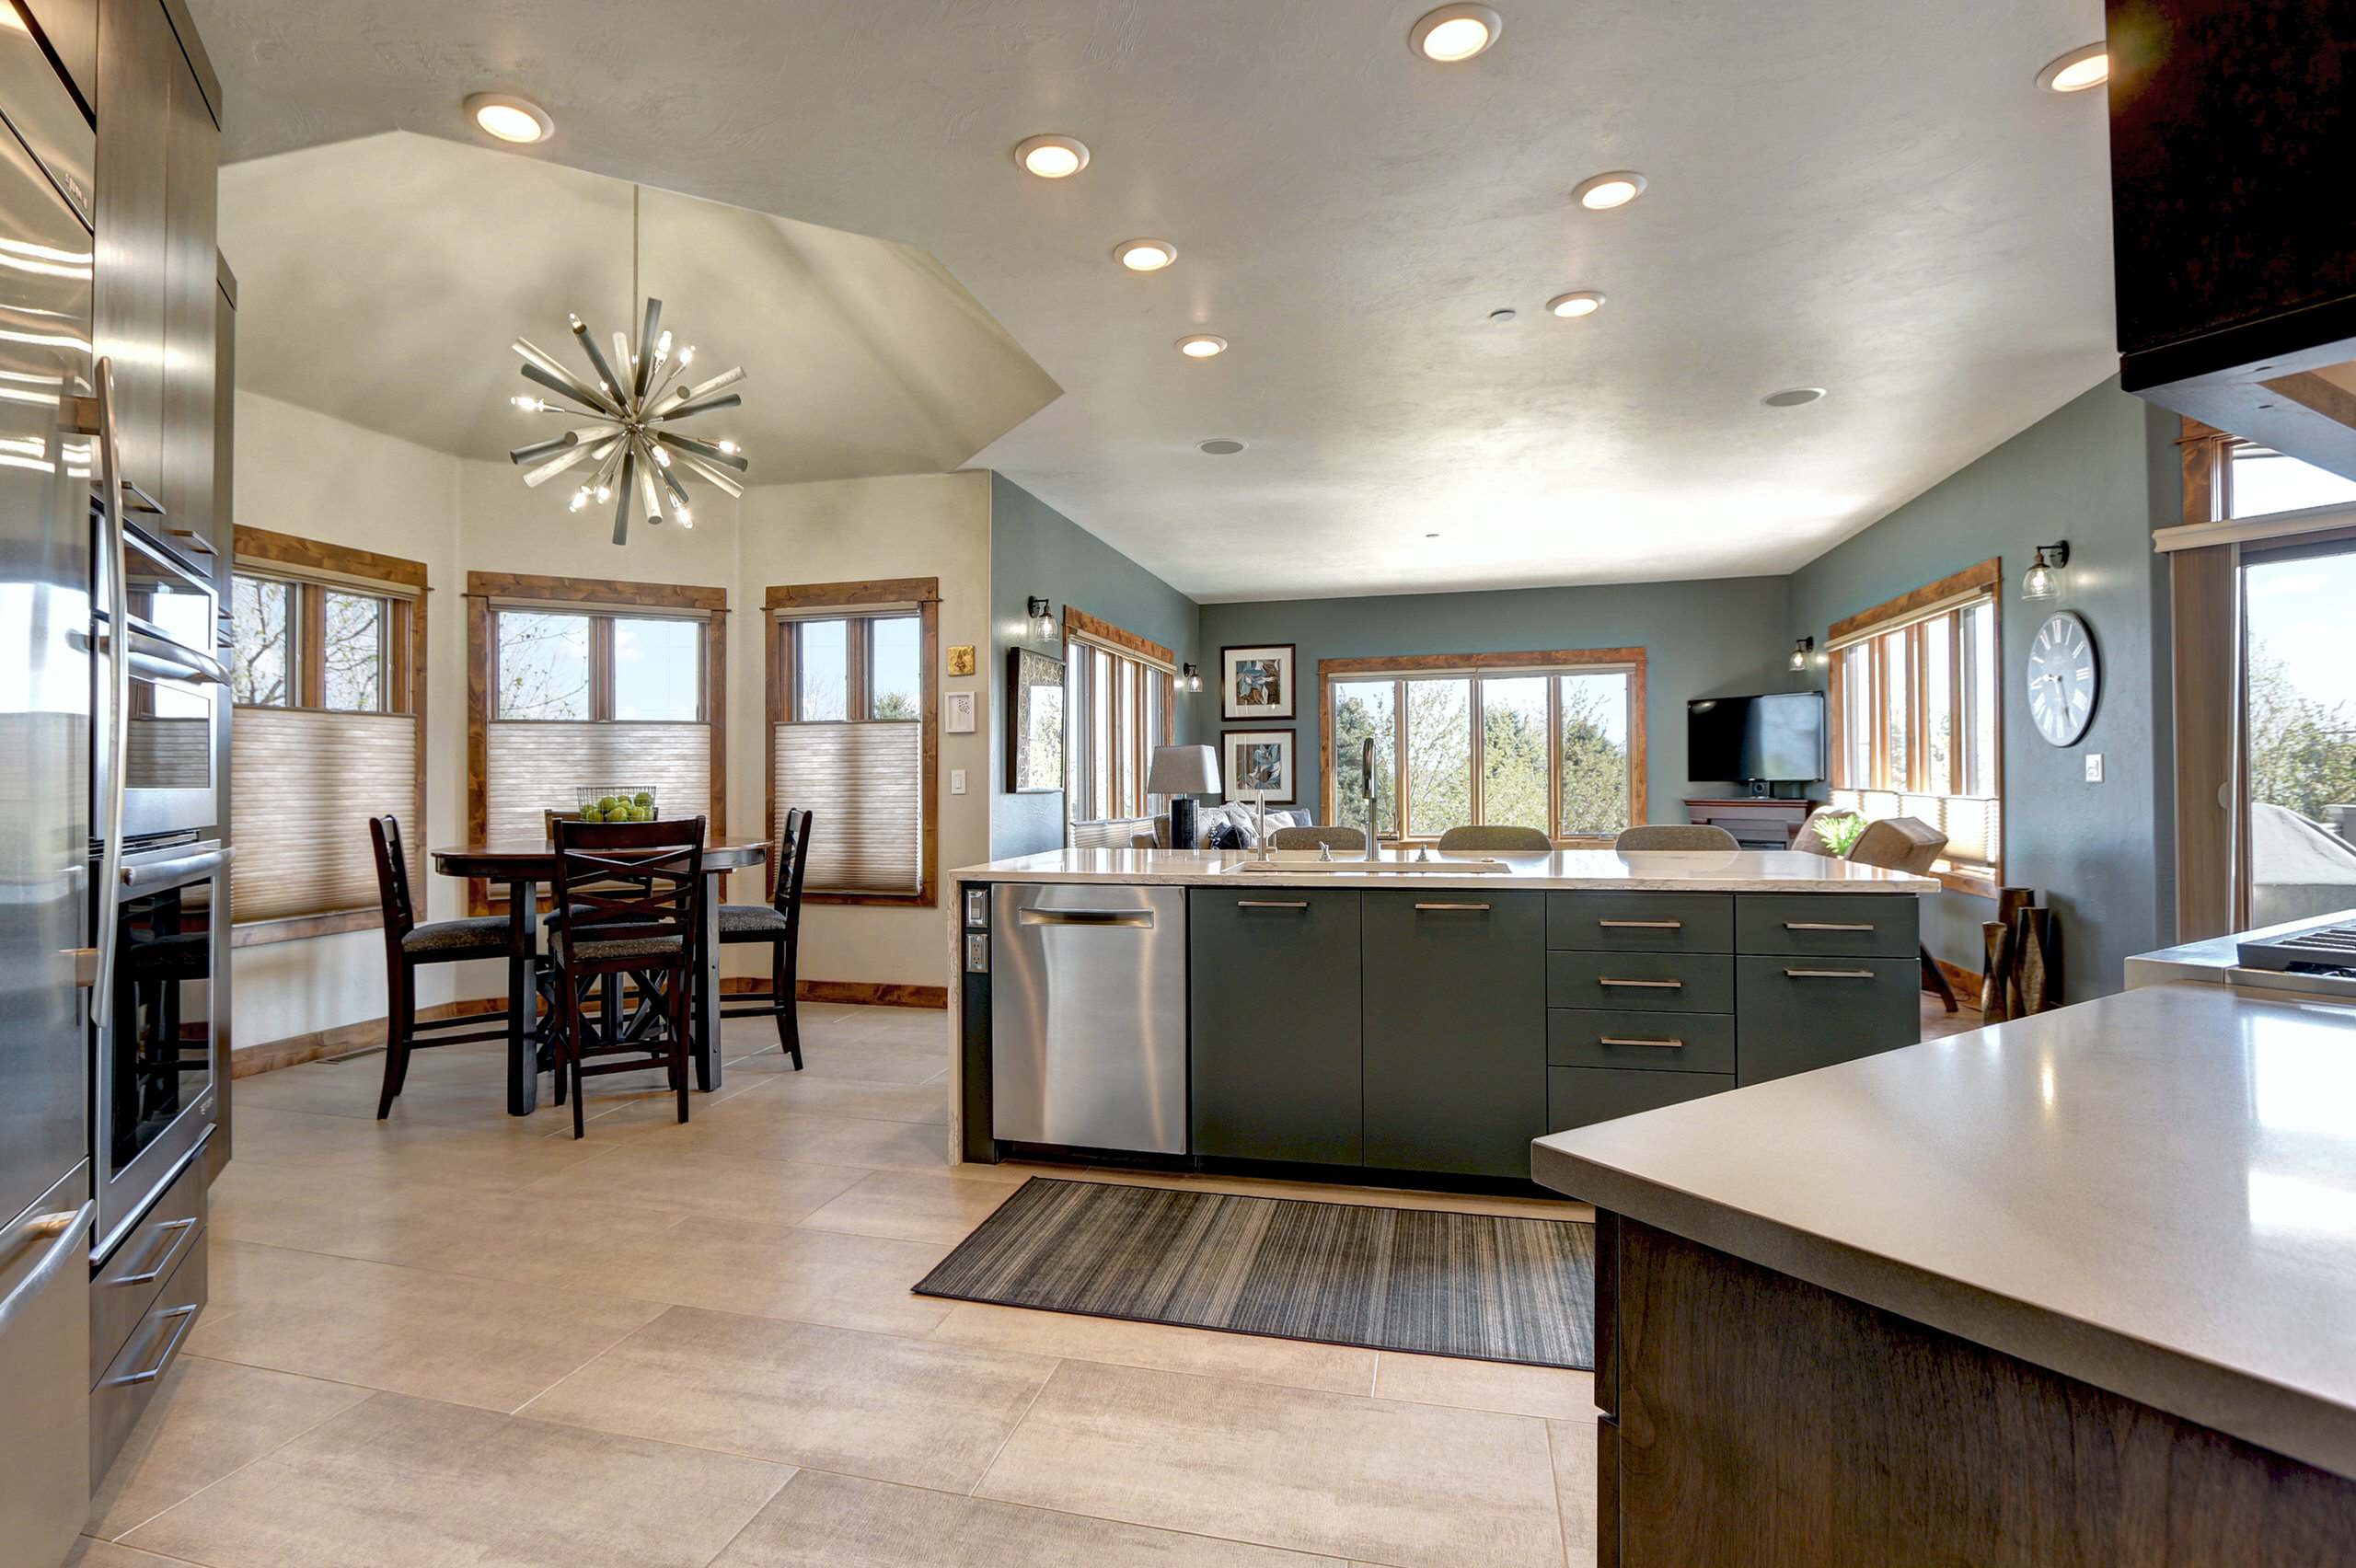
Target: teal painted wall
[1705,638]
[2101,472]
[1036,550]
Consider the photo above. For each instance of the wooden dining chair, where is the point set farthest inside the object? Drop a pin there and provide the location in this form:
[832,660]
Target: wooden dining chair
[632,897]
[778,923]
[409,946]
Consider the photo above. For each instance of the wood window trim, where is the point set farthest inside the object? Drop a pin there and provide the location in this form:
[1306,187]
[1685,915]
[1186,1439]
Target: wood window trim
[1331,672]
[1966,586]
[486,588]
[266,548]
[877,594]
[1079,623]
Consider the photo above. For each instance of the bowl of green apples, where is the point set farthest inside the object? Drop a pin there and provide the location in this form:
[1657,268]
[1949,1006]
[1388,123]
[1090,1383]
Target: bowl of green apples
[615,803]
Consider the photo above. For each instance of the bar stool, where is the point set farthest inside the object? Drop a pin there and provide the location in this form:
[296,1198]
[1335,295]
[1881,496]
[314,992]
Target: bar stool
[779,922]
[407,947]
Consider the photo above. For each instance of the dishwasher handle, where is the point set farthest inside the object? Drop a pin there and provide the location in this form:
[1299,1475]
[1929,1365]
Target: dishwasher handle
[1136,919]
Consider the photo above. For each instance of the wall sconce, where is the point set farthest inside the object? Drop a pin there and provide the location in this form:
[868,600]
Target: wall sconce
[1043,623]
[1191,677]
[1800,652]
[2043,580]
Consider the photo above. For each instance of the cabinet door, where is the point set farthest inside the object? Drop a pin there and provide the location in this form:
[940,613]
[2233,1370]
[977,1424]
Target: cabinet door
[1455,1031]
[139,67]
[192,289]
[1273,981]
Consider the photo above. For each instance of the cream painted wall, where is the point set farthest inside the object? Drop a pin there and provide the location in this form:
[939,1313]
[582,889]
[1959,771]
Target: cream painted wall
[913,525]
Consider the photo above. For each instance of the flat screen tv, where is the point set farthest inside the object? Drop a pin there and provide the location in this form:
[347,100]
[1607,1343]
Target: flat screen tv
[1777,738]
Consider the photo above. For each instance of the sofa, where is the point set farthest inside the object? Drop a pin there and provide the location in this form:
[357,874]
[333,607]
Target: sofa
[1153,832]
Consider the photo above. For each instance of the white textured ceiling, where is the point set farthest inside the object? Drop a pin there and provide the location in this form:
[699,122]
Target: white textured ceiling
[1868,196]
[383,280]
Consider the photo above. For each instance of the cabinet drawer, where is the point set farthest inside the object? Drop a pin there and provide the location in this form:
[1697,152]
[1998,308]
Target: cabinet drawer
[1843,925]
[1799,1014]
[1641,922]
[1645,1042]
[1650,982]
[128,1384]
[133,1277]
[1577,1096]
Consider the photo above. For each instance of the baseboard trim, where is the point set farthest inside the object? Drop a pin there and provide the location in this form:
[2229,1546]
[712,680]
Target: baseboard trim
[850,993]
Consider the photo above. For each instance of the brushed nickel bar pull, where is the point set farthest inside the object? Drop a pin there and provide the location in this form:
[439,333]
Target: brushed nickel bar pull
[181,1319]
[1647,984]
[1142,919]
[1631,1040]
[1272,904]
[1642,925]
[1829,973]
[1481,908]
[1828,926]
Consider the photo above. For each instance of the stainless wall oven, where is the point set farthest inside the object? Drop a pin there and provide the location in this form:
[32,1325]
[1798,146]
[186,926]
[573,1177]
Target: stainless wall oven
[155,1090]
[175,694]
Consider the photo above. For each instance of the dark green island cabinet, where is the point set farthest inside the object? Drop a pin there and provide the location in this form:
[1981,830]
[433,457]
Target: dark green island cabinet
[1441,1030]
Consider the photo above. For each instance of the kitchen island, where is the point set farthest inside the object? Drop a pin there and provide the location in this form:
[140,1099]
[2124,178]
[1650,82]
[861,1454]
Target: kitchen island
[1422,1014]
[2077,1288]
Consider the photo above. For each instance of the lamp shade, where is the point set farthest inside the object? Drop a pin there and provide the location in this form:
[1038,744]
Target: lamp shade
[1183,770]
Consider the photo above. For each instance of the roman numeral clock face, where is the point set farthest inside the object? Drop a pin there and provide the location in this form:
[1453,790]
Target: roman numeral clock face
[2063,679]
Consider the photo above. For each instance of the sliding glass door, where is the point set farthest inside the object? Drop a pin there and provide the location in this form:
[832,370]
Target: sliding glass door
[2298,816]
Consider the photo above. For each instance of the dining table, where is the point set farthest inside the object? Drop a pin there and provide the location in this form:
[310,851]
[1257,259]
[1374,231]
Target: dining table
[523,868]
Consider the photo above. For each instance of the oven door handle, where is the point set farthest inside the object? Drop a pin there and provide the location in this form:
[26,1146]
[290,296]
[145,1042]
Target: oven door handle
[160,658]
[118,610]
[181,870]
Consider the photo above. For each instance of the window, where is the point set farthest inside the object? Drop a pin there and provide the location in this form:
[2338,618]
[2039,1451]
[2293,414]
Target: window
[2260,480]
[1116,688]
[2298,787]
[326,675]
[1550,741]
[852,733]
[1915,712]
[583,685]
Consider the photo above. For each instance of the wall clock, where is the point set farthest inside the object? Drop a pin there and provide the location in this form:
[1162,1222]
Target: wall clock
[2065,679]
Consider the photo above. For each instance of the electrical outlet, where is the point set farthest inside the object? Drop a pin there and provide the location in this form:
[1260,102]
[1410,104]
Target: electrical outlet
[2093,768]
[956,781]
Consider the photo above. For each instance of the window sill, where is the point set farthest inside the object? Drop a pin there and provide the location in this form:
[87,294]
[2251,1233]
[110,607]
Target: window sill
[925,900]
[1978,884]
[302,928]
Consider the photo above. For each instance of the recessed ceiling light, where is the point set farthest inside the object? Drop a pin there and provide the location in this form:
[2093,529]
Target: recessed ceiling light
[1501,317]
[509,118]
[1602,192]
[2078,70]
[1580,302]
[1454,33]
[1051,157]
[1201,345]
[1145,254]
[1221,448]
[1793,396]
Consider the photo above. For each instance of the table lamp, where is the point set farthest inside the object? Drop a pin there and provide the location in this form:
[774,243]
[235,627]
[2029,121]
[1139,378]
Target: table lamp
[1181,773]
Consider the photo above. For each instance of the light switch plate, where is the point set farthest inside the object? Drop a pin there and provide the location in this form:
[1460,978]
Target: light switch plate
[2093,768]
[956,781]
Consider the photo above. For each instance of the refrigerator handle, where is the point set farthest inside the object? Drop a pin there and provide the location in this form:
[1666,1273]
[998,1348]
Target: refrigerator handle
[118,643]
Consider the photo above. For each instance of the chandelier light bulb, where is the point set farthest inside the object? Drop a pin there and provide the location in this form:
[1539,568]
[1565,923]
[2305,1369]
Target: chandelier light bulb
[604,492]
[688,355]
[529,405]
[729,447]
[661,458]
[579,498]
[685,520]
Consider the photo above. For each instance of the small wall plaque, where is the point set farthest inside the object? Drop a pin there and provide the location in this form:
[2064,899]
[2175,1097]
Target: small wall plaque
[960,657]
[957,715]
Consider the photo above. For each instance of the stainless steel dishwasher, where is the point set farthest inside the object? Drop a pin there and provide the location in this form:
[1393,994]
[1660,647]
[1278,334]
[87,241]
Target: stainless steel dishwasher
[1088,1016]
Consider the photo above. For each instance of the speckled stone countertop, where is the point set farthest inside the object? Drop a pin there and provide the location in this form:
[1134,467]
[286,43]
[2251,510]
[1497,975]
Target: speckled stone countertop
[1731,871]
[2153,1193]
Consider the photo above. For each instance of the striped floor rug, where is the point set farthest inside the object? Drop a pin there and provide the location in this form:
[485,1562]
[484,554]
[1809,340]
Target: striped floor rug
[1479,1286]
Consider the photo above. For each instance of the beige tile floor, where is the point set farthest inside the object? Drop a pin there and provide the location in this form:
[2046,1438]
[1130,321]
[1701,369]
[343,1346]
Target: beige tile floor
[461,1338]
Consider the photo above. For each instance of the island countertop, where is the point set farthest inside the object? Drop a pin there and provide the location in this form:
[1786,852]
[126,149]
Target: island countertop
[2153,1193]
[1732,870]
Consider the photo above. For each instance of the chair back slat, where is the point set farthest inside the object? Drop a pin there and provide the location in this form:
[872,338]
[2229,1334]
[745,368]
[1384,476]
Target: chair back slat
[392,877]
[790,861]
[628,881]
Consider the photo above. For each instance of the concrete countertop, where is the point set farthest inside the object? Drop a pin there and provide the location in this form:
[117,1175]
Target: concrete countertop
[2155,1193]
[1731,871]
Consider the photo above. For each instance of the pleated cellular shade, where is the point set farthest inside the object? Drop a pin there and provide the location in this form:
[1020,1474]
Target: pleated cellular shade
[539,767]
[865,785]
[306,783]
[1973,823]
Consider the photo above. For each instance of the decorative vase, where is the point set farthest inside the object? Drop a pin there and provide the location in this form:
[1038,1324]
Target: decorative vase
[2037,971]
[1182,822]
[1996,972]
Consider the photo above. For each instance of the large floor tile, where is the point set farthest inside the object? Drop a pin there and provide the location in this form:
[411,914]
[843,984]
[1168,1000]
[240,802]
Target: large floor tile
[761,1128]
[402,1482]
[816,1096]
[706,1183]
[912,1206]
[208,1419]
[1573,1446]
[1419,1486]
[834,1521]
[816,1276]
[1546,1392]
[91,1552]
[1255,1358]
[443,1336]
[507,1155]
[864,1404]
[876,1058]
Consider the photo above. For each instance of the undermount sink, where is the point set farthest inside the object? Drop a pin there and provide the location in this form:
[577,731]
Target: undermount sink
[1346,863]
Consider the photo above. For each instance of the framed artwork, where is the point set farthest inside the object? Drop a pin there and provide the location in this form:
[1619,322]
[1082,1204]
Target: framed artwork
[1256,759]
[1035,722]
[1256,683]
[957,716]
[960,657]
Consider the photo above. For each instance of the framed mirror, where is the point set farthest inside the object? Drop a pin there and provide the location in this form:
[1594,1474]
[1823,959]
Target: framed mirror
[1035,722]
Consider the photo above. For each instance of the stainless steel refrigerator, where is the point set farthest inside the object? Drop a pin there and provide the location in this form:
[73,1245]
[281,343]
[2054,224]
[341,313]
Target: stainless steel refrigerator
[47,375]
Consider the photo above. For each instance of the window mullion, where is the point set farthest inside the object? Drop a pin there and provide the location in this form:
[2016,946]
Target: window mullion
[1400,783]
[1555,754]
[1475,795]
[601,669]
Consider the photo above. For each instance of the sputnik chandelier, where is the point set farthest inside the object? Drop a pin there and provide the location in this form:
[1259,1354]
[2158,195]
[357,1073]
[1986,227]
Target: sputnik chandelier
[639,395]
